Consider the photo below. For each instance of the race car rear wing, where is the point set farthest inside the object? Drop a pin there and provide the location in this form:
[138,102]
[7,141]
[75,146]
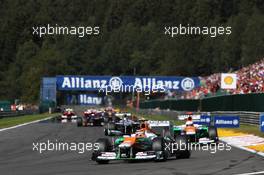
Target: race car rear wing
[123,114]
[157,123]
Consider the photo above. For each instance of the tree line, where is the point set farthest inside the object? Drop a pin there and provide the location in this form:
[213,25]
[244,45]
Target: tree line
[131,40]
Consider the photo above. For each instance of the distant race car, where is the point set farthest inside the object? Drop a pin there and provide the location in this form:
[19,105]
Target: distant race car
[110,115]
[197,133]
[123,125]
[68,114]
[91,117]
[150,142]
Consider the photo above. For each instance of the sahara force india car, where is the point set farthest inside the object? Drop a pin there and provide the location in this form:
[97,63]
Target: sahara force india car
[68,114]
[91,117]
[124,124]
[197,133]
[154,141]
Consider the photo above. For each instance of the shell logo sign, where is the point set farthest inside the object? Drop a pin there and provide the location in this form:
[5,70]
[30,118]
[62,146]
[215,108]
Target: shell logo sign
[228,81]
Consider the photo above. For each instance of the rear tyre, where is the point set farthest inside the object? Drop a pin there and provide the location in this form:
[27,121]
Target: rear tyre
[109,127]
[166,133]
[212,132]
[84,121]
[79,121]
[182,151]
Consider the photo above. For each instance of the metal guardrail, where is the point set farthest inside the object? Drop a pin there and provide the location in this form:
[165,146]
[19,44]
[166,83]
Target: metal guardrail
[16,113]
[245,117]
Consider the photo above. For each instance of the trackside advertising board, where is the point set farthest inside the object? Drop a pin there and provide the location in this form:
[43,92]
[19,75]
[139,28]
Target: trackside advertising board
[204,120]
[227,121]
[261,120]
[127,83]
[219,121]
[85,99]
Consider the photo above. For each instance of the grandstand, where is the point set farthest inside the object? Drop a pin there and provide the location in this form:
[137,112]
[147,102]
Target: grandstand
[250,79]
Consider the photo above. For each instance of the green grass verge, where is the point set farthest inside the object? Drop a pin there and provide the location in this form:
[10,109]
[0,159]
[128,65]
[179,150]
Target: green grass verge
[12,121]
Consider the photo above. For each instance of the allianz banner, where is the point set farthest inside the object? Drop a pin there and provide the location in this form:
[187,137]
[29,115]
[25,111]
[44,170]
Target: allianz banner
[84,99]
[227,121]
[204,120]
[127,83]
[91,99]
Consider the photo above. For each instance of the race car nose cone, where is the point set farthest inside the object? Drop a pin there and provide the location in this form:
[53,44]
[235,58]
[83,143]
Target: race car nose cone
[125,145]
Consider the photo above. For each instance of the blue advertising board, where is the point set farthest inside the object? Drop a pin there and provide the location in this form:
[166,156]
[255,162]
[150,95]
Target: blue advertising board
[84,99]
[204,120]
[48,89]
[227,121]
[261,120]
[127,83]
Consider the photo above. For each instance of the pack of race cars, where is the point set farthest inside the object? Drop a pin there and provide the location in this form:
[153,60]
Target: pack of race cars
[133,138]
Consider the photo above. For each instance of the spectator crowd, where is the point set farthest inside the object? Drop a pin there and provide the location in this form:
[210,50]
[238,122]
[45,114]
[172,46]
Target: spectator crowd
[250,79]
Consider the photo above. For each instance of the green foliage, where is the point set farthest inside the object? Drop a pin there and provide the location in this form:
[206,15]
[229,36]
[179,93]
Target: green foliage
[131,38]
[12,121]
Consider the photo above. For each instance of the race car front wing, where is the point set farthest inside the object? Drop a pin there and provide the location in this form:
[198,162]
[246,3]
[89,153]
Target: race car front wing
[149,155]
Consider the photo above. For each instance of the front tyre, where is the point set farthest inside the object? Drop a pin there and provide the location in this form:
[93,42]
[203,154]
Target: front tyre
[182,151]
[104,145]
[158,146]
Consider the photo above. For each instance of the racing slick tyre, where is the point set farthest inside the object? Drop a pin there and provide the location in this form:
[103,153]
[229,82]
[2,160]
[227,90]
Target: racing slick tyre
[158,146]
[182,150]
[166,133]
[106,119]
[109,127]
[79,122]
[84,121]
[212,132]
[104,145]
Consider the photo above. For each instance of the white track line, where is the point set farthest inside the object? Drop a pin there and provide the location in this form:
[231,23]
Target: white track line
[260,172]
[24,124]
[244,148]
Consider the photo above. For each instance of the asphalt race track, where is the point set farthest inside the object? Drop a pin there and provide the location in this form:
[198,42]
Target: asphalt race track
[17,156]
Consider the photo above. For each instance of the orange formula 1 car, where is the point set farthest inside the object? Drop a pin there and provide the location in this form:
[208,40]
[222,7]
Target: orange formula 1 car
[197,133]
[151,142]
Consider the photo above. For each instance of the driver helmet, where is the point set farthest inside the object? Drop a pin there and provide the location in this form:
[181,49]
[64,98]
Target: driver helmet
[189,123]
